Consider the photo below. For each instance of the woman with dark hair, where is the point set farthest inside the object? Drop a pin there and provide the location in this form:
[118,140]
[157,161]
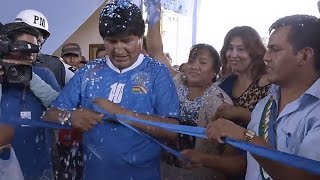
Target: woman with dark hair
[246,83]
[199,99]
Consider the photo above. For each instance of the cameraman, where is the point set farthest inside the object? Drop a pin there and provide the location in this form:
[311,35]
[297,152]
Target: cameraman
[20,101]
[9,165]
[37,20]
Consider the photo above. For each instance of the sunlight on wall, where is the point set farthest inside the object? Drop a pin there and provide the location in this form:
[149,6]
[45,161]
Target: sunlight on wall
[176,35]
[217,17]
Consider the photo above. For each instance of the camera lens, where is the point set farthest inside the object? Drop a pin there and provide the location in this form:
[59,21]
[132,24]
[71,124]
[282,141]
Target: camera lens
[15,72]
[18,73]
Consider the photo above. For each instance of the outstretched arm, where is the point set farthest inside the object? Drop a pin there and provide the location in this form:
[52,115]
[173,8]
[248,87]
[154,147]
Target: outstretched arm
[157,132]
[154,40]
[225,128]
[42,90]
[234,113]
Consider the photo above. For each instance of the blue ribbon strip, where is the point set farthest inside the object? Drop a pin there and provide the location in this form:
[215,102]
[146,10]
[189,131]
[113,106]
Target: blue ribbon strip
[34,123]
[170,150]
[282,157]
[183,129]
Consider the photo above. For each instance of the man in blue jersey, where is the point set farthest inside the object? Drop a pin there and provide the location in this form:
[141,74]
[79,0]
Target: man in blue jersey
[124,82]
[20,103]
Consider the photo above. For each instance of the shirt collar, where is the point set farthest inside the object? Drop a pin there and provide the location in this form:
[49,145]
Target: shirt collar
[314,90]
[275,91]
[134,65]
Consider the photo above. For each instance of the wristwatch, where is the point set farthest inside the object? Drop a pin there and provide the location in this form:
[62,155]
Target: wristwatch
[66,117]
[248,135]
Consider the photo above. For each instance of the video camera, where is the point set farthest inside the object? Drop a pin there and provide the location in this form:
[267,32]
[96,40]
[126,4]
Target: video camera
[15,70]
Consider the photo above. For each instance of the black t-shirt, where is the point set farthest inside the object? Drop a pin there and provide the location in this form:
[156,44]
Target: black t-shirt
[54,64]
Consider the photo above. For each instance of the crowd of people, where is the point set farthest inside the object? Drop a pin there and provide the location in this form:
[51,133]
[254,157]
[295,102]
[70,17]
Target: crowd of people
[265,96]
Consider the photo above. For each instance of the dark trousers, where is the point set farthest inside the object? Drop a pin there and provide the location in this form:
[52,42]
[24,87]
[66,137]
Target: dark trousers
[69,165]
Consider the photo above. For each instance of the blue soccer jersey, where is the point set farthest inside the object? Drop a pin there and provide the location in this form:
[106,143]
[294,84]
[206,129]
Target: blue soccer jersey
[113,151]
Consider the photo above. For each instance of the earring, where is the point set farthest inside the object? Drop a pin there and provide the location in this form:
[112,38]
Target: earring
[214,78]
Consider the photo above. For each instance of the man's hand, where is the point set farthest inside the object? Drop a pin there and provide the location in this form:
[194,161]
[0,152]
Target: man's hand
[18,58]
[6,135]
[85,119]
[224,128]
[109,106]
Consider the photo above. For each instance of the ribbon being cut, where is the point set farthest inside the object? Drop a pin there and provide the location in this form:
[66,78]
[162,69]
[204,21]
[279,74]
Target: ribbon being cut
[282,157]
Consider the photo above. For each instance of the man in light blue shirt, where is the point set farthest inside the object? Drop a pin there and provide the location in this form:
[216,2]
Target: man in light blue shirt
[297,126]
[288,119]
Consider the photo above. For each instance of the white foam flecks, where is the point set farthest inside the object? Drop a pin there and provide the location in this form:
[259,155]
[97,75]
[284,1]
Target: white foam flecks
[73,152]
[111,10]
[84,157]
[134,158]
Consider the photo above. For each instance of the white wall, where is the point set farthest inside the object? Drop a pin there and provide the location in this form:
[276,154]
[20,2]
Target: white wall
[88,33]
[176,36]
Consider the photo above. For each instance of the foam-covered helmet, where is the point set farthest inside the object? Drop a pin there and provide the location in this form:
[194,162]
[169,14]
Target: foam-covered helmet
[35,19]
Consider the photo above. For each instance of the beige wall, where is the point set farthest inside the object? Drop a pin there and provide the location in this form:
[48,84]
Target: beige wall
[88,33]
